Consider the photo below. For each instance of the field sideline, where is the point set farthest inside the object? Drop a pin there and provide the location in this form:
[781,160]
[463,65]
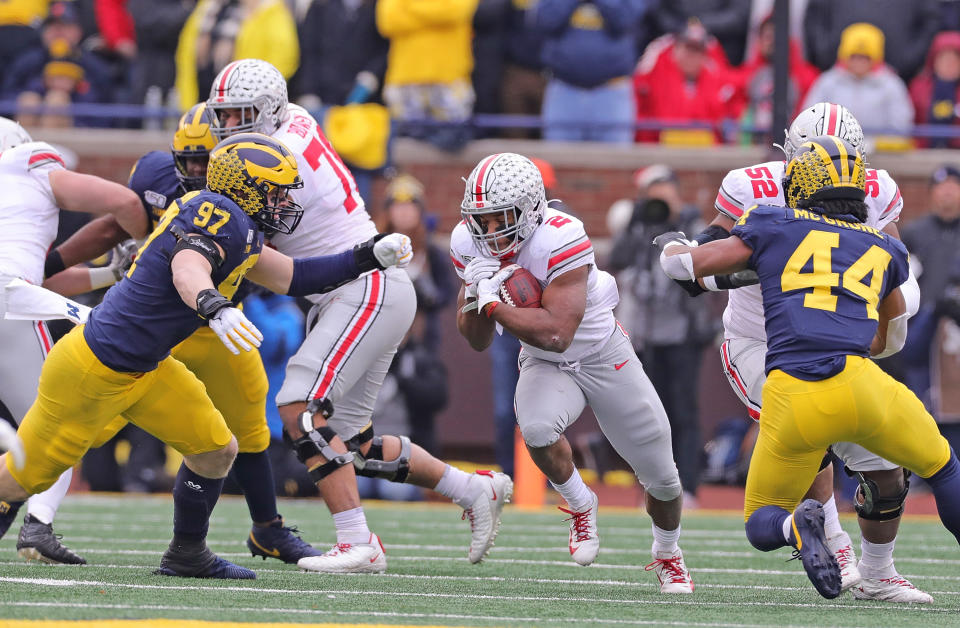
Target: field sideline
[529,579]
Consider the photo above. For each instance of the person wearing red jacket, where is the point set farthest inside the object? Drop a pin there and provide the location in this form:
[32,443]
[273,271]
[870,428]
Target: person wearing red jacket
[683,78]
[935,92]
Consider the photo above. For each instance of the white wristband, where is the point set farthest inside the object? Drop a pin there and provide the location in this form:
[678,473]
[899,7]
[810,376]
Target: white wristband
[710,283]
[101,278]
[679,266]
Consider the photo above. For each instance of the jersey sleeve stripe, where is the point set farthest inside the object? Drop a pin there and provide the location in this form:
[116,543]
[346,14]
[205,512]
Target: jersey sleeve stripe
[725,205]
[559,257]
[568,245]
[40,159]
[892,205]
[568,264]
[457,262]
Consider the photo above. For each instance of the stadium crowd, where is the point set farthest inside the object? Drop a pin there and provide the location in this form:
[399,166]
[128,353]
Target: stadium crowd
[692,71]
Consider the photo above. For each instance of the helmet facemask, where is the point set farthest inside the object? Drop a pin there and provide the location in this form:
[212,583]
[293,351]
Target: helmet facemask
[280,214]
[517,222]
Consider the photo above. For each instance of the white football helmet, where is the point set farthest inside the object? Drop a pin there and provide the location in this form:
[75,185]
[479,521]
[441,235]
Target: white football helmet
[12,134]
[254,87]
[823,118]
[506,187]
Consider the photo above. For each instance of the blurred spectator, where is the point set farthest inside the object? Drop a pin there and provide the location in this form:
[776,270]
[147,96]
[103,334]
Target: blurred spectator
[933,241]
[669,330]
[863,83]
[756,80]
[489,50]
[220,31]
[433,280]
[683,78]
[935,92]
[157,24]
[589,48]
[428,67]
[909,26]
[949,15]
[19,22]
[344,55]
[523,77]
[727,20]
[504,353]
[115,25]
[761,10]
[58,74]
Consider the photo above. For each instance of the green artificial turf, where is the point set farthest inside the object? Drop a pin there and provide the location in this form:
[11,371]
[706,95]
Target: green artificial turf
[528,579]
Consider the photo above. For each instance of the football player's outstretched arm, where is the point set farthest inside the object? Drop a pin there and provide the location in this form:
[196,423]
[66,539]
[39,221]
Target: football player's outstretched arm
[551,326]
[78,192]
[89,242]
[316,275]
[680,260]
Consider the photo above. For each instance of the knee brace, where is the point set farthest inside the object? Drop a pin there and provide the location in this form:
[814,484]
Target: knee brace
[873,506]
[373,465]
[316,442]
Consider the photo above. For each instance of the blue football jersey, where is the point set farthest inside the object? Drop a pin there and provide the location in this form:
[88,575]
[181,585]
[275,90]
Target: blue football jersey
[154,179]
[822,279]
[143,317]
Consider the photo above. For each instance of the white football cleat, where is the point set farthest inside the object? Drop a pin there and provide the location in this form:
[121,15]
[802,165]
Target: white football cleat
[671,572]
[366,557]
[584,539]
[842,548]
[496,489]
[893,589]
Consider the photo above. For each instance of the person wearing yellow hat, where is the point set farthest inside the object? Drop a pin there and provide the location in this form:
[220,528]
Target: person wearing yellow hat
[862,82]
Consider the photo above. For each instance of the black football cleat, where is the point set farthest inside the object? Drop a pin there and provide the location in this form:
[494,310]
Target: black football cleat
[8,512]
[280,542]
[195,560]
[38,542]
[811,548]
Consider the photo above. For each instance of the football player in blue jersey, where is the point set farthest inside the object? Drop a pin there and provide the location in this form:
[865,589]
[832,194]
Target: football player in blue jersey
[186,272]
[158,178]
[831,300]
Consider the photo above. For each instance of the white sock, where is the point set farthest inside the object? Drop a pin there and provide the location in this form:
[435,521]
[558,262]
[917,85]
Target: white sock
[575,492]
[876,559]
[788,529]
[455,484]
[665,541]
[43,506]
[831,518]
[351,526]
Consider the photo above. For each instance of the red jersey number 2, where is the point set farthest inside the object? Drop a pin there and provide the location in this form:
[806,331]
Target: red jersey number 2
[319,149]
[762,181]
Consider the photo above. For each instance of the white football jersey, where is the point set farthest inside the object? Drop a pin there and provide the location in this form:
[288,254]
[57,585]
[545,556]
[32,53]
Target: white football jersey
[28,211]
[334,215]
[762,185]
[558,245]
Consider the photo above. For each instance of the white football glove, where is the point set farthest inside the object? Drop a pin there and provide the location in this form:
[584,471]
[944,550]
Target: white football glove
[488,290]
[393,250]
[234,329]
[476,269]
[122,258]
[10,442]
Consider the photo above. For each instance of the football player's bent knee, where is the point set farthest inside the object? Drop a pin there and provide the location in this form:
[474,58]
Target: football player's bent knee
[316,442]
[875,504]
[665,490]
[372,464]
[213,464]
[539,434]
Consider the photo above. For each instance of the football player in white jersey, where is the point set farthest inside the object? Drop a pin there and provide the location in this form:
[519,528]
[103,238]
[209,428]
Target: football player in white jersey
[332,382]
[572,346]
[883,486]
[36,186]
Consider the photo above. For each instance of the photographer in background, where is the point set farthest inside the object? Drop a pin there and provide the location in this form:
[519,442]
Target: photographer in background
[669,330]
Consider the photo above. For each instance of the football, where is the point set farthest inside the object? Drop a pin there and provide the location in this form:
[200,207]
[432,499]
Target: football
[521,289]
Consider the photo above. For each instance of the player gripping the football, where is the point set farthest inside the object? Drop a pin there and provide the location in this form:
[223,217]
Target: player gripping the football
[883,486]
[831,288]
[36,186]
[572,346]
[158,178]
[332,382]
[119,362]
